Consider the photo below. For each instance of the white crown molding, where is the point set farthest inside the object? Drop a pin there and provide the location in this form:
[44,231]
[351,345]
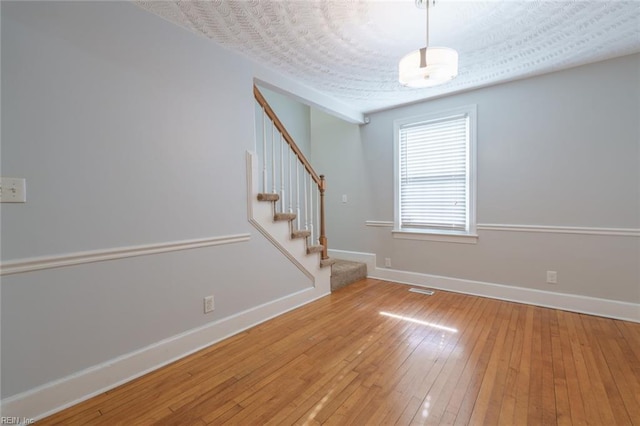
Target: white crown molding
[78,258]
[68,391]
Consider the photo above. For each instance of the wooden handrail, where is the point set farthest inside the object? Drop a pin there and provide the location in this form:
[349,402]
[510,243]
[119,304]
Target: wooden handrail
[287,137]
[319,180]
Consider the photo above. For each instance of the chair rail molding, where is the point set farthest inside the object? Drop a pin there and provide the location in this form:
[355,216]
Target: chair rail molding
[549,229]
[78,258]
[583,230]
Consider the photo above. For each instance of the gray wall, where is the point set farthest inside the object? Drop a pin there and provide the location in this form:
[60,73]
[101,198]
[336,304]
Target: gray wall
[338,152]
[557,150]
[294,116]
[129,131]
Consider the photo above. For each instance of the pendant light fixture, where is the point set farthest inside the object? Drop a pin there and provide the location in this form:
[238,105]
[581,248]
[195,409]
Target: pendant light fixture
[429,66]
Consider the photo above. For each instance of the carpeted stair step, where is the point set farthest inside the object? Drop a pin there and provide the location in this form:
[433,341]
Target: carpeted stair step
[344,272]
[284,216]
[327,262]
[300,233]
[315,249]
[297,233]
[268,197]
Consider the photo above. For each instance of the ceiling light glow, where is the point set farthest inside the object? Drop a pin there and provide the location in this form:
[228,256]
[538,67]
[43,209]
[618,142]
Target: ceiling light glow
[428,66]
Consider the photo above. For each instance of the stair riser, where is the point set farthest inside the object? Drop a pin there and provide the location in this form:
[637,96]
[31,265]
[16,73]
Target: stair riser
[343,276]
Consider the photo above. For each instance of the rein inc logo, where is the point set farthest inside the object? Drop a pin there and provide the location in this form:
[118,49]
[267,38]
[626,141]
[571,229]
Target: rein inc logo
[6,420]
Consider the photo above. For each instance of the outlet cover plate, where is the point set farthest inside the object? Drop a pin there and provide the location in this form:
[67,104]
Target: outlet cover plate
[13,190]
[208,304]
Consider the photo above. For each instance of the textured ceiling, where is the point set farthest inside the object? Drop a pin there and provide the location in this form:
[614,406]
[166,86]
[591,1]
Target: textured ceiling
[349,49]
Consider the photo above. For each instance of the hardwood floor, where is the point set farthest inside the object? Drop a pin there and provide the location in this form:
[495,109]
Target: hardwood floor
[374,353]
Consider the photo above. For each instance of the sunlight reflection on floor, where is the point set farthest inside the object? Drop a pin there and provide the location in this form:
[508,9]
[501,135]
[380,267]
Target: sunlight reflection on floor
[417,321]
[425,407]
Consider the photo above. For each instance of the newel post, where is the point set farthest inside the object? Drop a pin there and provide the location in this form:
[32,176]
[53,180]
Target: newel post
[323,236]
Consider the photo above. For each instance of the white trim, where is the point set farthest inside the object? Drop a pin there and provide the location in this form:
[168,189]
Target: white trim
[55,396]
[78,258]
[582,230]
[569,302]
[260,215]
[619,232]
[429,235]
[379,223]
[251,199]
[471,111]
[355,256]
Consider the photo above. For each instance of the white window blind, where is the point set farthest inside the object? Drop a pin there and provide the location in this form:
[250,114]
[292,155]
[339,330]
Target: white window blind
[434,174]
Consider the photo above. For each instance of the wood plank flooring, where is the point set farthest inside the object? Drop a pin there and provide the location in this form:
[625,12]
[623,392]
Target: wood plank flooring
[374,353]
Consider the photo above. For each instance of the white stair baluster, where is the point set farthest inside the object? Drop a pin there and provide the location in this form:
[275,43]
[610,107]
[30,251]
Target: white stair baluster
[310,207]
[304,204]
[273,159]
[282,192]
[290,182]
[297,193]
[264,151]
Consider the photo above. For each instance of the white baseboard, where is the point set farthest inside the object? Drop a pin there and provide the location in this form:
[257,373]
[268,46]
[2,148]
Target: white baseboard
[355,256]
[568,302]
[55,396]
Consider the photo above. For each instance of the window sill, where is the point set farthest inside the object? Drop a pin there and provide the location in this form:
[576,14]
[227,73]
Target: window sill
[442,236]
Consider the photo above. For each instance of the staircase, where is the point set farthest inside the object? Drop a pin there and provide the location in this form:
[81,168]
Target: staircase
[286,203]
[286,198]
[280,228]
[302,234]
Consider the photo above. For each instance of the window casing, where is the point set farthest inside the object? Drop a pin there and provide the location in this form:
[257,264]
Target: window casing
[435,179]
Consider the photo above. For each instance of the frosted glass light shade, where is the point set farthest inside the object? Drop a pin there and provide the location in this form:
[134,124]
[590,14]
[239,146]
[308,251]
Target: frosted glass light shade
[441,66]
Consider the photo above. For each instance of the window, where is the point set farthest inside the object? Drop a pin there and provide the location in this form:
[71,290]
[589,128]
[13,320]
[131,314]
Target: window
[435,176]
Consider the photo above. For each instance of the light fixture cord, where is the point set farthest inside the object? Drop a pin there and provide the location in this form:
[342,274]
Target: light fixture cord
[427,24]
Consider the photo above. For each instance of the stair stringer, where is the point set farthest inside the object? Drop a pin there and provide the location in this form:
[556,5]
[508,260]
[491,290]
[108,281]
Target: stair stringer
[261,215]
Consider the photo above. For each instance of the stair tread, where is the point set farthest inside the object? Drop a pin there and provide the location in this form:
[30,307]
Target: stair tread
[315,248]
[268,197]
[327,262]
[284,216]
[300,233]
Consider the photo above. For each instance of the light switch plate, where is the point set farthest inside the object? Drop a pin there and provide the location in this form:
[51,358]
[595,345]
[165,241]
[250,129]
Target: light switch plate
[13,190]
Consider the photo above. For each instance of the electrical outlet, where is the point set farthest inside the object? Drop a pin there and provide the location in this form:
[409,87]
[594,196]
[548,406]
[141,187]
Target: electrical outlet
[13,190]
[387,262]
[208,304]
[552,277]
